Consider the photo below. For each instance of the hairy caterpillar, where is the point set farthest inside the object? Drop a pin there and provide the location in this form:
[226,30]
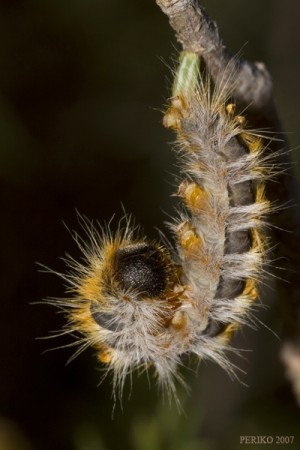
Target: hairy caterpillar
[142,305]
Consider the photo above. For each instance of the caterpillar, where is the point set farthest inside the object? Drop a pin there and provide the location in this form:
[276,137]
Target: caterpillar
[141,304]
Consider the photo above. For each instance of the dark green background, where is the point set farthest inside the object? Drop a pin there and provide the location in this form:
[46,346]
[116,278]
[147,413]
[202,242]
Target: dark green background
[81,88]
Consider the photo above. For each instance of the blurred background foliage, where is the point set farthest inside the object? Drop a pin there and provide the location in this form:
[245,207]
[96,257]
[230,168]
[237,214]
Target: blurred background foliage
[82,84]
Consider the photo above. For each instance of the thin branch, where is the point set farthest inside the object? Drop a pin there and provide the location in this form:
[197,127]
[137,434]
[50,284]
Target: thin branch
[198,33]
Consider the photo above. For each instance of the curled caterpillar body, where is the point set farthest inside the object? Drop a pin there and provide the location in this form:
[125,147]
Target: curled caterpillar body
[141,305]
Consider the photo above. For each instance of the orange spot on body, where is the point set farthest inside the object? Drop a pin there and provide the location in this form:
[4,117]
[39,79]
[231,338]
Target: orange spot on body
[193,195]
[179,320]
[241,120]
[228,333]
[254,143]
[172,119]
[105,356]
[175,113]
[190,242]
[250,289]
[230,109]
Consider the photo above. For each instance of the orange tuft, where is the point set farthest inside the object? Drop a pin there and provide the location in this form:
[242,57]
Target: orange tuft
[105,356]
[230,108]
[250,290]
[193,195]
[189,240]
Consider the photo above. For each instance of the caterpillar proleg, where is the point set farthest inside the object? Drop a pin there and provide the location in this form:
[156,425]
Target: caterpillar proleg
[142,305]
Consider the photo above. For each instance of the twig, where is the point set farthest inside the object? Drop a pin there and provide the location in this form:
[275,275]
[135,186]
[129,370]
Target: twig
[198,33]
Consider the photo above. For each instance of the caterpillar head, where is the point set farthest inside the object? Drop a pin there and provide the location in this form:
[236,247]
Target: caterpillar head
[128,303]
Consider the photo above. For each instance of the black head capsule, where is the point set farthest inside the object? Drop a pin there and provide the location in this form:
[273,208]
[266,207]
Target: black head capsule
[141,268]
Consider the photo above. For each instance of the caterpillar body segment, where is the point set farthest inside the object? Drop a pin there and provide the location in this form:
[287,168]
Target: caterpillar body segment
[220,197]
[141,305]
